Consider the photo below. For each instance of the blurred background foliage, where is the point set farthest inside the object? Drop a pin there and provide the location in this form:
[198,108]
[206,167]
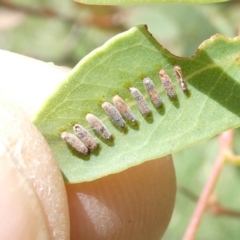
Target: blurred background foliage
[63,32]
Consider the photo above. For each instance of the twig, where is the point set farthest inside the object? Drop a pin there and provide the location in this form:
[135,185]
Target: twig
[225,143]
[188,193]
[213,205]
[218,209]
[111,20]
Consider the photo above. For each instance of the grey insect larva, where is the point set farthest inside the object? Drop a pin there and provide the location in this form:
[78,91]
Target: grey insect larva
[85,136]
[113,113]
[167,83]
[98,126]
[123,108]
[180,78]
[140,100]
[75,142]
[152,92]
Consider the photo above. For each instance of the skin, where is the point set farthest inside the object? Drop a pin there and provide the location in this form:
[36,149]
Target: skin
[36,204]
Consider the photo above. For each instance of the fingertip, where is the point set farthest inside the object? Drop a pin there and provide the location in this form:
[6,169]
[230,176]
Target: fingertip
[134,204]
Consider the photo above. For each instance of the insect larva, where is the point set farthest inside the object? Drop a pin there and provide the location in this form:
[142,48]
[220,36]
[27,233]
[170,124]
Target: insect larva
[113,113]
[98,126]
[167,83]
[152,92]
[123,108]
[180,78]
[75,142]
[85,136]
[140,100]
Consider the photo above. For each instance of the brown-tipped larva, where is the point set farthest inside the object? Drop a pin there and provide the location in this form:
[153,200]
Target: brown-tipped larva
[74,142]
[180,78]
[123,108]
[98,126]
[85,136]
[152,92]
[113,113]
[167,83]
[140,100]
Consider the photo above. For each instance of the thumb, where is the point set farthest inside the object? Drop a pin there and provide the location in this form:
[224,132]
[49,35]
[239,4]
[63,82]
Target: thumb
[33,202]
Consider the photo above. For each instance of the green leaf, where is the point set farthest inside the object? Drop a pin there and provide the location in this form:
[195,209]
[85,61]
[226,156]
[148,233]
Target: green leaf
[121,2]
[212,105]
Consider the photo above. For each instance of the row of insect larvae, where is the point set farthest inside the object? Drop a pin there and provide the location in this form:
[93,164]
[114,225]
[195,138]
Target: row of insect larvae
[84,142]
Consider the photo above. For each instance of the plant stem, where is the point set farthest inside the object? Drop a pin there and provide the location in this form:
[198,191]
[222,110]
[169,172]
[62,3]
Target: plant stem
[225,143]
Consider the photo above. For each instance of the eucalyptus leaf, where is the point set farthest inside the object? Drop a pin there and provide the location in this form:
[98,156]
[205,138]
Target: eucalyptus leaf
[121,2]
[209,107]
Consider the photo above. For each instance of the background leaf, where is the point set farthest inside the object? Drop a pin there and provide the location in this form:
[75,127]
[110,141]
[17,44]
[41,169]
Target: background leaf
[211,107]
[120,2]
[76,26]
